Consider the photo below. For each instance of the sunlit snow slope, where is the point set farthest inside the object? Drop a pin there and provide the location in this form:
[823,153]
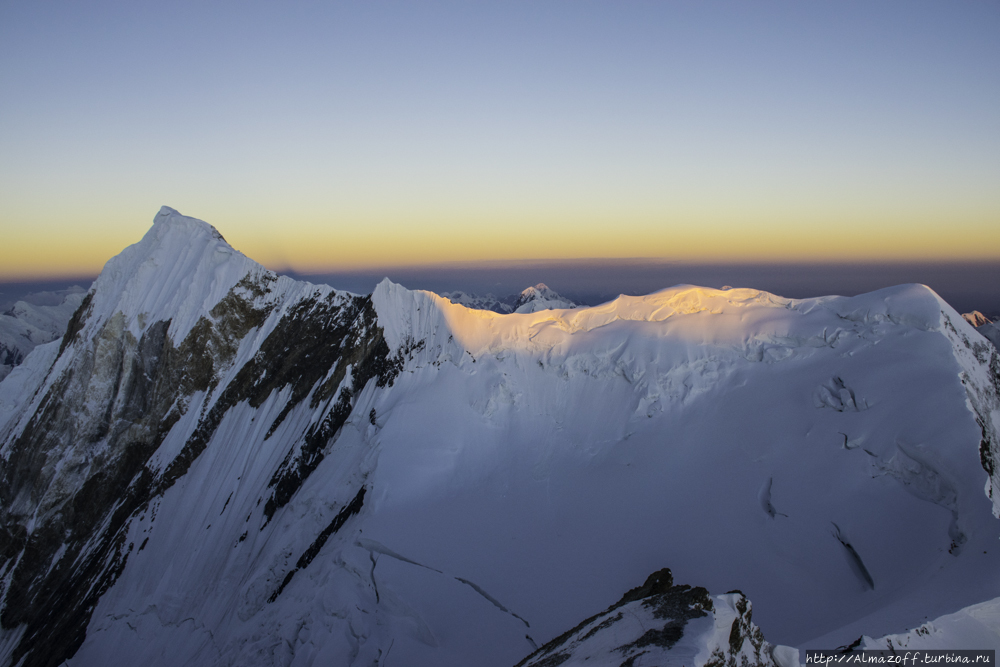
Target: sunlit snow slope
[222,466]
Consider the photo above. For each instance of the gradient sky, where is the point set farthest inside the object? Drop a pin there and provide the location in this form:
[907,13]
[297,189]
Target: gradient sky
[329,136]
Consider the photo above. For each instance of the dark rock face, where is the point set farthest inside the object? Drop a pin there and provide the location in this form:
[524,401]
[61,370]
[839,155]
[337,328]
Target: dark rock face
[342,345]
[81,469]
[10,357]
[338,522]
[560,649]
[76,322]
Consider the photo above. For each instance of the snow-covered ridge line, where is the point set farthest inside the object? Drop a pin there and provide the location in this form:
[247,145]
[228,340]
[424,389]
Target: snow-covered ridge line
[704,315]
[976,625]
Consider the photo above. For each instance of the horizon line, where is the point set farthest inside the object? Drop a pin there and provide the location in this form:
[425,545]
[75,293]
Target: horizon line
[493,264]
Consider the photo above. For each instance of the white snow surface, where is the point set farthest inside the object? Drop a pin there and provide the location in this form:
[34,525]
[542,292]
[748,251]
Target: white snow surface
[977,626]
[525,470]
[35,321]
[601,443]
[180,269]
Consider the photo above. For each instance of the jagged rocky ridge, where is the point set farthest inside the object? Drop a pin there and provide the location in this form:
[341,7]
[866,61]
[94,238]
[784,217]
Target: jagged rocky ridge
[220,466]
[660,623]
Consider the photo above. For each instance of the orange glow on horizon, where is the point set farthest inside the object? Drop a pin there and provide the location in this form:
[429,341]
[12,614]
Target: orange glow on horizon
[370,243]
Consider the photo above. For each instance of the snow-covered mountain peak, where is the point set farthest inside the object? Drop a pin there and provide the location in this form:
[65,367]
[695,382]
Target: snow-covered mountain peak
[172,221]
[539,291]
[181,268]
[975,318]
[529,300]
[540,297]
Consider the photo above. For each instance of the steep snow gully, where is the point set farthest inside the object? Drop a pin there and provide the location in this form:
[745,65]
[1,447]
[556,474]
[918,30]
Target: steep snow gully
[216,465]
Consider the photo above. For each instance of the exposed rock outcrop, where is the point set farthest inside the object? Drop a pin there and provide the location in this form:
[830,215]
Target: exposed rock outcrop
[660,623]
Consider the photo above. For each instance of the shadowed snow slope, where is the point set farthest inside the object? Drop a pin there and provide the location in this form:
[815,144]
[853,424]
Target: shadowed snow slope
[33,322]
[975,625]
[217,465]
[990,332]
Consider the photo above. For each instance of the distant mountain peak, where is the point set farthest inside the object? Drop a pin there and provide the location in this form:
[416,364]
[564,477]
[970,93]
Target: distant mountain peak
[540,297]
[975,318]
[530,300]
[541,289]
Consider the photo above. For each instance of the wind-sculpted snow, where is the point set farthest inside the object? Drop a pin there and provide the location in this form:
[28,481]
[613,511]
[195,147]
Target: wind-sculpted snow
[267,472]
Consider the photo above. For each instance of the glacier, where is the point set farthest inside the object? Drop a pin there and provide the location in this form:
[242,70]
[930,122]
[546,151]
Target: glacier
[218,465]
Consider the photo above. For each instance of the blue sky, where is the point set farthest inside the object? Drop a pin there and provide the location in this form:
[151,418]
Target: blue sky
[321,136]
